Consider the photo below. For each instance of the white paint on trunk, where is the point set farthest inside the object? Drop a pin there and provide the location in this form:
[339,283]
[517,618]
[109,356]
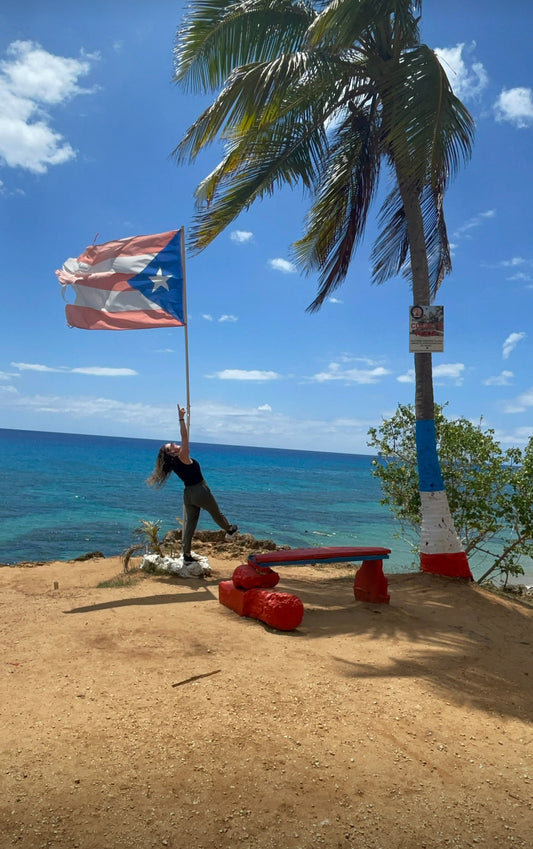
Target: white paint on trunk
[437,532]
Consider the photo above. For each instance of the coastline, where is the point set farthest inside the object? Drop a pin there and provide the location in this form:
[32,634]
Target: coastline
[214,544]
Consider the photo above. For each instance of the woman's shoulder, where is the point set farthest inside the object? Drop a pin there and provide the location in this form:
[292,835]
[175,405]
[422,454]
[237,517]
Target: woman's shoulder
[188,462]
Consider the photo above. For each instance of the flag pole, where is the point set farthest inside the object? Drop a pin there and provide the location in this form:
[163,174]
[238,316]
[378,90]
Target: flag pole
[186,327]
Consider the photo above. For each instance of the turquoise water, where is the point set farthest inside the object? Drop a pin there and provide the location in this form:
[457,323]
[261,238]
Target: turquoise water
[63,495]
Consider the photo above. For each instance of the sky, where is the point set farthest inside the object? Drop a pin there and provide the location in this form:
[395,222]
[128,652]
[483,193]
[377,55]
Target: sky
[89,117]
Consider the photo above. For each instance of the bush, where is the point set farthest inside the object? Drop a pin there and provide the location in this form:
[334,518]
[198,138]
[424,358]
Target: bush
[489,490]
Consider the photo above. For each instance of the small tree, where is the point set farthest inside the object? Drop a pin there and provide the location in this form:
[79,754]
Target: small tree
[490,491]
[148,533]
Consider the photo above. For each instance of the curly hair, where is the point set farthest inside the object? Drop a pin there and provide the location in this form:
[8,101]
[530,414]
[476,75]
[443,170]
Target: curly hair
[162,468]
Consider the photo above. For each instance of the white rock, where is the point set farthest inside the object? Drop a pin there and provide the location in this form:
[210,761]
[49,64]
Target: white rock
[175,566]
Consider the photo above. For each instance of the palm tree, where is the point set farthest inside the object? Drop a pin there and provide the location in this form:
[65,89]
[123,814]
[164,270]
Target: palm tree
[329,95]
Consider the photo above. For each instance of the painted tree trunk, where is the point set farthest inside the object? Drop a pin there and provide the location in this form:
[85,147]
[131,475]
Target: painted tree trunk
[441,551]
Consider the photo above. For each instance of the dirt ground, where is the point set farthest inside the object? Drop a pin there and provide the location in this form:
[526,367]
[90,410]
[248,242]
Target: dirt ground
[149,715]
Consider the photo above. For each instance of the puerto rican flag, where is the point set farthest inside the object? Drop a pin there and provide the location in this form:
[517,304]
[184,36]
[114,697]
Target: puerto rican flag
[129,284]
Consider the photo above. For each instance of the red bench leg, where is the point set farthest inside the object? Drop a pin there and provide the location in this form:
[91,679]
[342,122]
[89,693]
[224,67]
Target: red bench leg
[370,583]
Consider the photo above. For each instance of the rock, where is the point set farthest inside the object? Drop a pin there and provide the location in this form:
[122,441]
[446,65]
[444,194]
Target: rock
[216,542]
[89,556]
[154,563]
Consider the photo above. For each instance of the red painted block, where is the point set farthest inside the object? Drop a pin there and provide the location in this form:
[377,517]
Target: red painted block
[370,583]
[246,576]
[282,611]
[231,597]
[453,565]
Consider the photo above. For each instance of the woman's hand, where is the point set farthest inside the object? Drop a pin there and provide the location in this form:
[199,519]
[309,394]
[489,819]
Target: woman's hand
[181,413]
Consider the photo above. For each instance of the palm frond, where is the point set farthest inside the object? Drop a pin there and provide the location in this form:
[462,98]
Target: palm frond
[343,23]
[320,93]
[261,94]
[337,219]
[391,248]
[390,253]
[216,37]
[284,154]
[437,244]
[429,132]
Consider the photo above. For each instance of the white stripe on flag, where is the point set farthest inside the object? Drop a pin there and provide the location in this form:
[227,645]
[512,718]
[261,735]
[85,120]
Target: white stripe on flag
[130,265]
[110,301]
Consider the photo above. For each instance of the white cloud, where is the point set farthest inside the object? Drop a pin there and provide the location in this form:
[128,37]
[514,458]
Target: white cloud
[283,265]
[241,236]
[349,358]
[265,408]
[99,371]
[5,191]
[521,276]
[243,374]
[31,79]
[467,78]
[96,371]
[519,436]
[223,318]
[33,367]
[515,105]
[519,265]
[519,404]
[212,421]
[354,375]
[503,379]
[335,301]
[511,342]
[518,262]
[449,371]
[143,417]
[446,371]
[242,425]
[513,262]
[475,221]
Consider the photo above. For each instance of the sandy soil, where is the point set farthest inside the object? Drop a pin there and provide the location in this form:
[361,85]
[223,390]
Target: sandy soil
[149,715]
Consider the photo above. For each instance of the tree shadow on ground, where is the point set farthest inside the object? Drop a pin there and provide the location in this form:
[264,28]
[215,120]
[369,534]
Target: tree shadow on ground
[465,642]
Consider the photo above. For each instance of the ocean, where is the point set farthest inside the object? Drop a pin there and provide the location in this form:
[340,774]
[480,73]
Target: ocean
[63,495]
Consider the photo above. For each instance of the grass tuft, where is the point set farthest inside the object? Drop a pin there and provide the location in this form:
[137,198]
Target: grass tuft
[124,579]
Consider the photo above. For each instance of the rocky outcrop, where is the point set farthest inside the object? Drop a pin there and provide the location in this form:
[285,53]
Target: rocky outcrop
[218,545]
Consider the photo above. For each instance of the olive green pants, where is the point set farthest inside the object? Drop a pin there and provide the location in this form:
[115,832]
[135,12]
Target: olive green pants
[195,498]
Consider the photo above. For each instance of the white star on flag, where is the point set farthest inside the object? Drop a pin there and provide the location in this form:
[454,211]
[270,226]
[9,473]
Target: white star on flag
[160,280]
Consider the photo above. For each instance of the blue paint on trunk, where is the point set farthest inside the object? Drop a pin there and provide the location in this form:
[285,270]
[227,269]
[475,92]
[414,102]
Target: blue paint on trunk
[429,473]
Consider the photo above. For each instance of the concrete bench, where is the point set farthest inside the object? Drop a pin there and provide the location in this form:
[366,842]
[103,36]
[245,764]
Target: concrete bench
[370,582]
[251,593]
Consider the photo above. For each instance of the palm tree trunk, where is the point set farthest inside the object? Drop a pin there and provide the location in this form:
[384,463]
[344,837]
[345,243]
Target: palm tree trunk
[441,551]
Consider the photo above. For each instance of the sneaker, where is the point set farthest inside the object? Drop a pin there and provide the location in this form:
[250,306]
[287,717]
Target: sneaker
[232,530]
[188,558]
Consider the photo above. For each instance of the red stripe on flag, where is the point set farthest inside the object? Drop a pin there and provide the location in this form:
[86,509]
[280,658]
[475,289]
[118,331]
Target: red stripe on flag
[87,318]
[127,247]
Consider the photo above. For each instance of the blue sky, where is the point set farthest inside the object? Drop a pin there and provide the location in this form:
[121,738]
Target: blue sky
[88,119]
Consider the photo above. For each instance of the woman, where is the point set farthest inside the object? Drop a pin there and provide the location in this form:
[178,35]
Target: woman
[196,495]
